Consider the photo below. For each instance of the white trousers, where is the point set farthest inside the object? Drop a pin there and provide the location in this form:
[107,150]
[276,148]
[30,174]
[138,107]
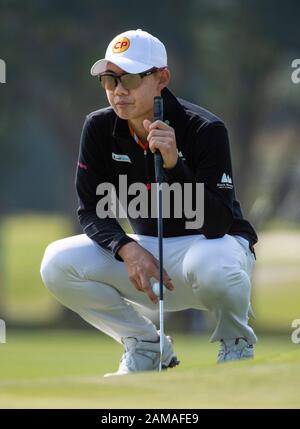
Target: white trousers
[207,274]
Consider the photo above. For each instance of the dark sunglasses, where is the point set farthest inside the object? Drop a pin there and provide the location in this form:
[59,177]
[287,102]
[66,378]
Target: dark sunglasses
[128,80]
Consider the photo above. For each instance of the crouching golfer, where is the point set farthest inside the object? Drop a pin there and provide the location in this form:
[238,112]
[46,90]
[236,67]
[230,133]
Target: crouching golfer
[100,273]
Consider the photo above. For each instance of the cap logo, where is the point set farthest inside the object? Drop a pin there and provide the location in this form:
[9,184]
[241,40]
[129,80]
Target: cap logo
[121,45]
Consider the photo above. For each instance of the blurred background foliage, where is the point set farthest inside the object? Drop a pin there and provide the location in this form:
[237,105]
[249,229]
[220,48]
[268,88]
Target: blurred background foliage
[232,57]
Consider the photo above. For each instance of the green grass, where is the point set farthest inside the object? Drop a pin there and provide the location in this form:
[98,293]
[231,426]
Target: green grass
[24,240]
[59,369]
[276,280]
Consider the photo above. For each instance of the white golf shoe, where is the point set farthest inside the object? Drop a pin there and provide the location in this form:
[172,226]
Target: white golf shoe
[145,356]
[235,350]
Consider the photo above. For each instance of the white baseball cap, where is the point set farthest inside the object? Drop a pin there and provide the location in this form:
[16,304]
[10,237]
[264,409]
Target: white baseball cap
[134,51]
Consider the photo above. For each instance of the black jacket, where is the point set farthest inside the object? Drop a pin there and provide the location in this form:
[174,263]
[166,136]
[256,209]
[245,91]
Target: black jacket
[203,145]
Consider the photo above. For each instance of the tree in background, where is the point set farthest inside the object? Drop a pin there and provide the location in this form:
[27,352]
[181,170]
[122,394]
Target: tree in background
[227,56]
[245,49]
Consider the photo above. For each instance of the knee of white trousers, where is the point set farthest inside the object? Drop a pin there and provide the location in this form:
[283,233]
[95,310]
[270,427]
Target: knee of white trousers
[215,283]
[55,266]
[228,286]
[204,275]
[211,288]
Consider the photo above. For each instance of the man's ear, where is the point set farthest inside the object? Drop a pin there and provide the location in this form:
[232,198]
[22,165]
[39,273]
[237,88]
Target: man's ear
[164,78]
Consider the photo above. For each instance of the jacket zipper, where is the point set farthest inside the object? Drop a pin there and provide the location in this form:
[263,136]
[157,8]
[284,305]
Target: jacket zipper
[145,148]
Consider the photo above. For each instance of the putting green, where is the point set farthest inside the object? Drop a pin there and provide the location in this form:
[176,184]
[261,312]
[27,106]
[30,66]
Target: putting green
[61,369]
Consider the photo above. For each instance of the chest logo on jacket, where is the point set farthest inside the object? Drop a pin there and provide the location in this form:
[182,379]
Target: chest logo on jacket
[121,157]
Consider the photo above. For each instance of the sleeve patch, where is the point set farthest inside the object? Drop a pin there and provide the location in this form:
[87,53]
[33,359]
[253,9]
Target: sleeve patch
[81,165]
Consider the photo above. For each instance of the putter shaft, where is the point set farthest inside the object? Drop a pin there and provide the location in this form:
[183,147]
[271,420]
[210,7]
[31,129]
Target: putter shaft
[158,163]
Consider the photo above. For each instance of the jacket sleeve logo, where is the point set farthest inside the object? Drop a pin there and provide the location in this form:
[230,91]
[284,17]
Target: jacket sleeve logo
[226,182]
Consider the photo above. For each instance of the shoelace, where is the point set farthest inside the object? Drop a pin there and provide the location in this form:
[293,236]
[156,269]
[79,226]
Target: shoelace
[224,351]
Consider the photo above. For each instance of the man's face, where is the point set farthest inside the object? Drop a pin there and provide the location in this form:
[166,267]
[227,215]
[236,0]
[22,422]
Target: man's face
[134,103]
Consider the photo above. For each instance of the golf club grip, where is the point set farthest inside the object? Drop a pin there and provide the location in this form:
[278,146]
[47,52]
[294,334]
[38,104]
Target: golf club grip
[158,108]
[158,116]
